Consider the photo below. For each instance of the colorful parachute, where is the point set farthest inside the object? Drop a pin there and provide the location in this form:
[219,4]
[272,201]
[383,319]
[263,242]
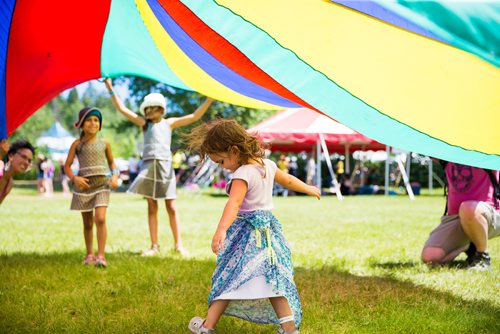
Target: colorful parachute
[421,76]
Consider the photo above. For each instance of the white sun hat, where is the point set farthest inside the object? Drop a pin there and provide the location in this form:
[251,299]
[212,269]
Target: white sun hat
[154,100]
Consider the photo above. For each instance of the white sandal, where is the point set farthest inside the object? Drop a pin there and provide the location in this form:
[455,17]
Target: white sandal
[196,326]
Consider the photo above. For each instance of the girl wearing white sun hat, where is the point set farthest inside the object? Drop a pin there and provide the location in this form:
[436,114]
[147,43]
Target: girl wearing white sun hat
[156,179]
[153,100]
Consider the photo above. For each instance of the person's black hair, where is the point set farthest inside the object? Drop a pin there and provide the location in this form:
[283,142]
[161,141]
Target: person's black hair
[19,145]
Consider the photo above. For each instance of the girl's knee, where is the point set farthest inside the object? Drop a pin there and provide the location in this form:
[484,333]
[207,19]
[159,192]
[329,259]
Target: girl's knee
[100,220]
[171,207]
[152,207]
[88,225]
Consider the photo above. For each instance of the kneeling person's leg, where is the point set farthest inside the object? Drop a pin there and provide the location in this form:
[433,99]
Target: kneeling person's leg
[445,242]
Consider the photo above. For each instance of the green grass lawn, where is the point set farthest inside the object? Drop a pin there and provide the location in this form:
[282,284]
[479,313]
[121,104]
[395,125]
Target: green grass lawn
[357,269]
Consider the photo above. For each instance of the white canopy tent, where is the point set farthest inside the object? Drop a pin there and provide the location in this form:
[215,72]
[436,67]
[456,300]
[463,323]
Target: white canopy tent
[58,140]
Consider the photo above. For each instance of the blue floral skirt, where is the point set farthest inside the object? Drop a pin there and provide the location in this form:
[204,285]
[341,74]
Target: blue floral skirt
[256,247]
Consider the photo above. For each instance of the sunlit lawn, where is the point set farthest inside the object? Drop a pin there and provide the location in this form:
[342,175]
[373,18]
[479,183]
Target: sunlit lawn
[357,269]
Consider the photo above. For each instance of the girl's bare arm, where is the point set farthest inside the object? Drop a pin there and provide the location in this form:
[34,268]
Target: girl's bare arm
[236,196]
[69,160]
[176,122]
[111,163]
[117,102]
[293,183]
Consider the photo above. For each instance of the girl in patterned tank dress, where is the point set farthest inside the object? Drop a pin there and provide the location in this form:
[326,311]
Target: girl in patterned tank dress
[92,183]
[156,178]
[253,278]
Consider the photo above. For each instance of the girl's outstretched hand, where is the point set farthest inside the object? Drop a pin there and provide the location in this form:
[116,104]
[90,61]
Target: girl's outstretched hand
[218,241]
[313,191]
[81,182]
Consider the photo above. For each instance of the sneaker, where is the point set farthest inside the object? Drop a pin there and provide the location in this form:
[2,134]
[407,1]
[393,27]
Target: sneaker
[89,260]
[153,251]
[196,326]
[480,262]
[471,251]
[101,262]
[181,250]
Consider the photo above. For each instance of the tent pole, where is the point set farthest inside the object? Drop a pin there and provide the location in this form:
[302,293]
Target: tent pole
[386,176]
[318,163]
[347,160]
[408,164]
[330,167]
[362,173]
[405,178]
[430,176]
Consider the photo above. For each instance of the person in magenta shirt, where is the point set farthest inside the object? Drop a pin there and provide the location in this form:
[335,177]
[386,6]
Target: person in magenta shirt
[471,218]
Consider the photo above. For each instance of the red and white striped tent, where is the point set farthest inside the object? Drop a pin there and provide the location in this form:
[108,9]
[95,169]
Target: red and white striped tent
[297,130]
[301,130]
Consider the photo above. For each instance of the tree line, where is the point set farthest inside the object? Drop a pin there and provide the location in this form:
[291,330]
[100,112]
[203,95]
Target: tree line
[120,132]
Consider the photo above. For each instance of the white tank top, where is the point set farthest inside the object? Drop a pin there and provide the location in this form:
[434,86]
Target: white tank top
[157,137]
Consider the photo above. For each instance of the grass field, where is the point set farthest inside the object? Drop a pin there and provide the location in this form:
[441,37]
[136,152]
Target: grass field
[357,269]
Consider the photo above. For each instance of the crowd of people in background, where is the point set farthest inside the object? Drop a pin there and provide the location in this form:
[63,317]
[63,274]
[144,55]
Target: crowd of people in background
[362,181]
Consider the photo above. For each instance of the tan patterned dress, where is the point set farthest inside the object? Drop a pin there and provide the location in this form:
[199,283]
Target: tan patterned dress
[93,166]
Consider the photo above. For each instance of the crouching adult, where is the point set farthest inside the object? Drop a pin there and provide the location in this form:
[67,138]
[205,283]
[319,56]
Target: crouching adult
[471,217]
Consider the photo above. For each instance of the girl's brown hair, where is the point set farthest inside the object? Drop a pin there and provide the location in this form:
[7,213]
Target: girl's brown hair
[222,136]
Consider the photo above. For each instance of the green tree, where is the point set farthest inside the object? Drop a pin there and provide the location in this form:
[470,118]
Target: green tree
[35,125]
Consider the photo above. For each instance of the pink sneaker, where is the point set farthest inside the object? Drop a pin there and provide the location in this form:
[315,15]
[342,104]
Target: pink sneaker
[101,262]
[89,260]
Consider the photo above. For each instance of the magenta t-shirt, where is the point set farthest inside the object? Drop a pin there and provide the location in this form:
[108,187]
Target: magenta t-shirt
[259,194]
[466,183]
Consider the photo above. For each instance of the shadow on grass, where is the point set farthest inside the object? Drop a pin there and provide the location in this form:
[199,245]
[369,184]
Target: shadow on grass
[394,265]
[56,293]
[456,264]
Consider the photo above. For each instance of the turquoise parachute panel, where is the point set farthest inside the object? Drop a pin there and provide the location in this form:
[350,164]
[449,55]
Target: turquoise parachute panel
[128,48]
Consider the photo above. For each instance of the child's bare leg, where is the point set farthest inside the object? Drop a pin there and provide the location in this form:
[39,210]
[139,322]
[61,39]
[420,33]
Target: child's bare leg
[173,218]
[217,307]
[102,233]
[88,224]
[153,220]
[282,309]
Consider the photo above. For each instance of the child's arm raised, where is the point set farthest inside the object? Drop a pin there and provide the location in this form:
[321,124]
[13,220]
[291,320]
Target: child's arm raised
[176,122]
[293,183]
[236,196]
[117,102]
